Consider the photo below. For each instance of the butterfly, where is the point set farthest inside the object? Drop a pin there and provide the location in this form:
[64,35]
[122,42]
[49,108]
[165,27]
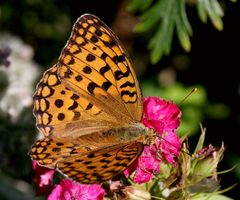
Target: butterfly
[88,107]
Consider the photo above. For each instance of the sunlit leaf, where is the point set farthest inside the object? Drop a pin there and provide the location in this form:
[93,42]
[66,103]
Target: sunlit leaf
[212,9]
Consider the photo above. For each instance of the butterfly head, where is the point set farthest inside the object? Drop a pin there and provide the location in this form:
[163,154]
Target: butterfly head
[150,136]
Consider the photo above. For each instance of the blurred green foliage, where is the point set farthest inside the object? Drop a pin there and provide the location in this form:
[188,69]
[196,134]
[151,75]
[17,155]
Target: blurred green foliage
[163,17]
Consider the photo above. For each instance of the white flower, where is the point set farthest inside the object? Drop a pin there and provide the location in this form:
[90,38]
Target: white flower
[21,75]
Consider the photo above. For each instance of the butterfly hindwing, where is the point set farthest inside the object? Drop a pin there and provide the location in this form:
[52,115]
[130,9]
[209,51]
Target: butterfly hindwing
[49,151]
[101,165]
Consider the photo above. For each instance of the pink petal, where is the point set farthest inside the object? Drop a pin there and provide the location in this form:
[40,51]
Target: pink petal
[43,178]
[56,193]
[148,165]
[141,176]
[169,147]
[160,114]
[68,189]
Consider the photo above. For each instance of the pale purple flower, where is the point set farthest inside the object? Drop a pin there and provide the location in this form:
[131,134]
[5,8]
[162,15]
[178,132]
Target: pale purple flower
[4,54]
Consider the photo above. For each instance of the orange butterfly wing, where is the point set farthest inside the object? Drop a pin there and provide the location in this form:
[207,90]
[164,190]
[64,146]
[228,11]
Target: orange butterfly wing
[101,165]
[92,90]
[95,65]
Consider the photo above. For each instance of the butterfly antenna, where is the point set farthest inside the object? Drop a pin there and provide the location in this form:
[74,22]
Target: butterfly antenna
[184,99]
[162,138]
[190,93]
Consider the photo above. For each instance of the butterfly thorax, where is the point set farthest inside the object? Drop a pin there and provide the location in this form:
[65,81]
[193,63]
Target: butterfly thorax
[132,132]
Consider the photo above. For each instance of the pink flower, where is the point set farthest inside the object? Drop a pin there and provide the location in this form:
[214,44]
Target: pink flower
[169,147]
[43,178]
[164,117]
[147,165]
[161,115]
[68,189]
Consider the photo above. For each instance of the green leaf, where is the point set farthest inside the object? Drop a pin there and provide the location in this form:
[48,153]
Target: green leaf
[162,17]
[217,14]
[183,26]
[201,140]
[212,9]
[161,42]
[150,18]
[139,5]
[202,11]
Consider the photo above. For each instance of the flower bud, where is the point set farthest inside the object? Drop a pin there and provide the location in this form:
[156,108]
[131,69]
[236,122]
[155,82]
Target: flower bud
[135,193]
[208,159]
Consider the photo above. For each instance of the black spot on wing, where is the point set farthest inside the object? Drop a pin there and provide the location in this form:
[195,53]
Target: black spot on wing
[126,92]
[110,43]
[94,39]
[91,86]
[91,167]
[127,84]
[56,149]
[118,59]
[91,155]
[61,116]
[68,73]
[90,57]
[104,69]
[73,106]
[58,103]
[71,61]
[76,115]
[119,74]
[74,97]
[87,162]
[106,155]
[78,78]
[59,144]
[105,161]
[104,55]
[63,92]
[106,85]
[87,70]
[89,106]
[98,32]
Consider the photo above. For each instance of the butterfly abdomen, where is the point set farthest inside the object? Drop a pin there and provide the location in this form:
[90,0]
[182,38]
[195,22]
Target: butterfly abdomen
[131,132]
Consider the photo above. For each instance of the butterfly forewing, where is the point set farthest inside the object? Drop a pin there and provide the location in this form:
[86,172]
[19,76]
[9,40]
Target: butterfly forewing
[95,65]
[58,109]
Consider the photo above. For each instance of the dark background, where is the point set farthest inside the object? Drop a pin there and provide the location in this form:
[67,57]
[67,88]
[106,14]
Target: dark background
[213,63]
